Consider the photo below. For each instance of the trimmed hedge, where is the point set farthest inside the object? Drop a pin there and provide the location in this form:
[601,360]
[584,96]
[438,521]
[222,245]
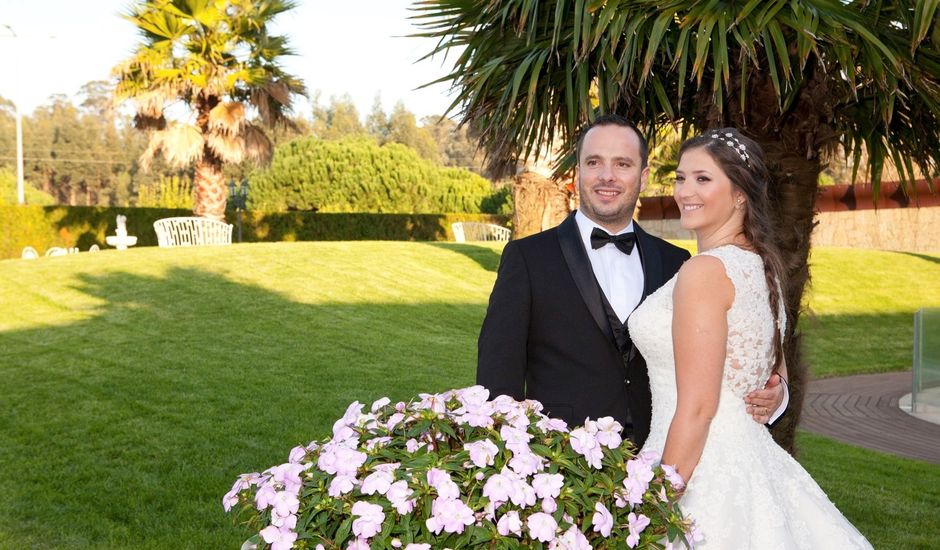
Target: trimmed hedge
[43,227]
[356,174]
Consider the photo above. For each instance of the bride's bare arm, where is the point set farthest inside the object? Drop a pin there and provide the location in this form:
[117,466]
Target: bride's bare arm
[701,299]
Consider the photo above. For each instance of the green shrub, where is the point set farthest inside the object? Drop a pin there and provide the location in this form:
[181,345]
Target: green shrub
[32,195]
[168,192]
[82,226]
[355,174]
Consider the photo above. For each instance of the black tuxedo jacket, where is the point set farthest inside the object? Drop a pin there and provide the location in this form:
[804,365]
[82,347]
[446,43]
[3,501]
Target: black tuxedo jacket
[546,334]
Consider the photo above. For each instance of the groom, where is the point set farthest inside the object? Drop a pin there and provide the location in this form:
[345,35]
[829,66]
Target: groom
[555,329]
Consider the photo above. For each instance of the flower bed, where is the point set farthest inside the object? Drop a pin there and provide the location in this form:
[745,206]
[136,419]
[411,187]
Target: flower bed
[454,470]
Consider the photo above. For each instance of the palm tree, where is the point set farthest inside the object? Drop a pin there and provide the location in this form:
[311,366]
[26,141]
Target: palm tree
[799,76]
[218,61]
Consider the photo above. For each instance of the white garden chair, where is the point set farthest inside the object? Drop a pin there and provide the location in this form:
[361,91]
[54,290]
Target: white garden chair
[192,231]
[476,231]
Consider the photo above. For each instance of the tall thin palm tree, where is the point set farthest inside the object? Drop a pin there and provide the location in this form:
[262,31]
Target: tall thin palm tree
[217,61]
[799,76]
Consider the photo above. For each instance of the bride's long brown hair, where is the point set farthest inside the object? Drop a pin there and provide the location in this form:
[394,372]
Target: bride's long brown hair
[747,170]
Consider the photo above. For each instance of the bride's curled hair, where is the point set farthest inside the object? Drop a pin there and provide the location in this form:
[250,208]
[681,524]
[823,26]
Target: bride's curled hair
[742,160]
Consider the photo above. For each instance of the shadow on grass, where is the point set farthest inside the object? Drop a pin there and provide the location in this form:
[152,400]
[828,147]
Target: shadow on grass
[927,257]
[140,417]
[487,258]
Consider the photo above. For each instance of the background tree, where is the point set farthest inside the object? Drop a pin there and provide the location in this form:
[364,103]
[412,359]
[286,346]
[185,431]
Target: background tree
[217,59]
[337,120]
[799,76]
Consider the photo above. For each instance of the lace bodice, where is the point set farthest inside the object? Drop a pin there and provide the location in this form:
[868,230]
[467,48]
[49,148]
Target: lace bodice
[750,335]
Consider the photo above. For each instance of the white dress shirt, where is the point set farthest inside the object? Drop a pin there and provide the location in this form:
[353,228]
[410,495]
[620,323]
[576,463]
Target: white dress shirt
[619,275]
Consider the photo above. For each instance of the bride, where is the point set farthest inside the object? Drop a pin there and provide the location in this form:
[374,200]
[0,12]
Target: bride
[711,335]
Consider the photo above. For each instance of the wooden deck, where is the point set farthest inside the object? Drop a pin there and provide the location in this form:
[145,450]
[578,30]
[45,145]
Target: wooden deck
[863,410]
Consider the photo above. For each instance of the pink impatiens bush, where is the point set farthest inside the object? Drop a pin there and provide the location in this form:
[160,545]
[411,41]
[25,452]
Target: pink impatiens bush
[454,470]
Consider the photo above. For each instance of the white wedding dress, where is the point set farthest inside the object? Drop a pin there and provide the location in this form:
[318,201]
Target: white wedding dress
[746,492]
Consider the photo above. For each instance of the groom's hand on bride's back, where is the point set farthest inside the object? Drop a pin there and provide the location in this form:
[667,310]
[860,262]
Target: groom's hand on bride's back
[763,403]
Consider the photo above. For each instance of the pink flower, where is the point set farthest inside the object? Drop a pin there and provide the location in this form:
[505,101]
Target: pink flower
[542,527]
[474,396]
[416,546]
[285,503]
[445,487]
[379,403]
[377,442]
[337,459]
[603,521]
[435,403]
[514,437]
[450,515]
[549,505]
[394,420]
[279,538]
[412,445]
[674,477]
[288,521]
[297,454]
[548,485]
[369,519]
[509,523]
[525,462]
[497,488]
[399,494]
[572,539]
[608,432]
[584,443]
[264,496]
[547,424]
[482,453]
[478,416]
[522,494]
[634,490]
[376,482]
[341,485]
[230,499]
[636,525]
[288,475]
[358,544]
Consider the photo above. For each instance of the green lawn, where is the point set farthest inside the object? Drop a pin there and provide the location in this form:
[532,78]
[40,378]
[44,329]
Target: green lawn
[137,385]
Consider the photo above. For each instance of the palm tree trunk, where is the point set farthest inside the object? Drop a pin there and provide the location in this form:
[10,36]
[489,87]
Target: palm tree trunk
[209,180]
[209,183]
[539,204]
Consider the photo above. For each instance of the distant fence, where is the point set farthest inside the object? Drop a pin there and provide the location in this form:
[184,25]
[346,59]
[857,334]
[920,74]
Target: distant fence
[847,215]
[44,227]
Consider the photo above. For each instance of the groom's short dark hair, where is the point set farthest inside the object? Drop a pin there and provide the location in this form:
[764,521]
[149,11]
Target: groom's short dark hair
[614,120]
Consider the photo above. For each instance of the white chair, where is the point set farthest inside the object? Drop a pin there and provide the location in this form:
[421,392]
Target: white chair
[56,251]
[192,231]
[29,253]
[476,231]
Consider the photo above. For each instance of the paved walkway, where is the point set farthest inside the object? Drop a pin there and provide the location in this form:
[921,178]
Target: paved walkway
[863,410]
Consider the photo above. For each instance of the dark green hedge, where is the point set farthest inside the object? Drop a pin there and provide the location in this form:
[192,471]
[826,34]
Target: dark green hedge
[43,227]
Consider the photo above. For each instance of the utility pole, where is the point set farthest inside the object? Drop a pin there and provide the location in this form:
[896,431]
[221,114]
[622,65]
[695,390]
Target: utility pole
[20,186]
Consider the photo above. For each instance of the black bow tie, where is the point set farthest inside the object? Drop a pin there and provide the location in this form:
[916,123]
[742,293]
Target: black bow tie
[624,242]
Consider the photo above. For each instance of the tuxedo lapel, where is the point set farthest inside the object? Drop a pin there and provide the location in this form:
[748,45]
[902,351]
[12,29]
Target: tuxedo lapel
[572,248]
[651,259]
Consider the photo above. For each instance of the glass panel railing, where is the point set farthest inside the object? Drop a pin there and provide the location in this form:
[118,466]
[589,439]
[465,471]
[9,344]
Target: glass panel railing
[926,393]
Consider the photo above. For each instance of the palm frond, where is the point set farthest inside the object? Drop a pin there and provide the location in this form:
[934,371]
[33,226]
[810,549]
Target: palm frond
[227,118]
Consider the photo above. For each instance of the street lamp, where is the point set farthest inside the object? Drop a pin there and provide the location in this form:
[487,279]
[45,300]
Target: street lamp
[238,197]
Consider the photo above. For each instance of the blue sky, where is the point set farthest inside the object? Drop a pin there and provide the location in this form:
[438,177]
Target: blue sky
[357,47]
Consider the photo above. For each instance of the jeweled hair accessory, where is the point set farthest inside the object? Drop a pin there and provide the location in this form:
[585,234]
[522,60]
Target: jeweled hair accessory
[728,139]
